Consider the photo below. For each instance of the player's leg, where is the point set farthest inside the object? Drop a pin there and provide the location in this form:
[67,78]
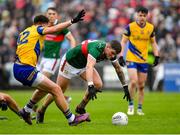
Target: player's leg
[133,80]
[45,67]
[40,114]
[63,83]
[46,85]
[49,69]
[8,101]
[141,83]
[98,85]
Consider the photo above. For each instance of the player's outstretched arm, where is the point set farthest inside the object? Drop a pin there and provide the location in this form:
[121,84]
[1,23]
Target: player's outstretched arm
[119,72]
[121,77]
[66,24]
[89,77]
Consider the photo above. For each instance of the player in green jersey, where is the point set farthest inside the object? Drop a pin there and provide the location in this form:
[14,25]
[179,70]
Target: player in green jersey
[80,61]
[52,45]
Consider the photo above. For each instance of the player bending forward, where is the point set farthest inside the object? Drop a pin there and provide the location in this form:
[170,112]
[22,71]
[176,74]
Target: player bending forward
[80,61]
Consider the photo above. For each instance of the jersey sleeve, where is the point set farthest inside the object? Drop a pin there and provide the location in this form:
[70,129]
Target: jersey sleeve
[94,53]
[126,31]
[65,31]
[40,30]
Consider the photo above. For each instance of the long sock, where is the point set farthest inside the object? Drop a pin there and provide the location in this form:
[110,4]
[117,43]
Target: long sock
[43,109]
[83,103]
[29,106]
[139,106]
[68,114]
[131,103]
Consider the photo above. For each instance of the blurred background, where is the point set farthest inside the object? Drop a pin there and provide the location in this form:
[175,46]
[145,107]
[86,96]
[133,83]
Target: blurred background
[105,20]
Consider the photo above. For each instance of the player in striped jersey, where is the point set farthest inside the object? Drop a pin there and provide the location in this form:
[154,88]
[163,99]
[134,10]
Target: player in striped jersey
[29,46]
[138,35]
[51,53]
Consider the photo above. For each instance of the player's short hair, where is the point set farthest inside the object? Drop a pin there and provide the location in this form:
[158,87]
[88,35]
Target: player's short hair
[116,46]
[52,8]
[40,19]
[142,9]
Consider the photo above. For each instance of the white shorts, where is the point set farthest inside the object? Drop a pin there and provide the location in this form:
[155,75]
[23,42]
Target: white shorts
[38,80]
[68,71]
[49,65]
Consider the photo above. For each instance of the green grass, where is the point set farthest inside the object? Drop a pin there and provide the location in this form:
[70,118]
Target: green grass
[162,115]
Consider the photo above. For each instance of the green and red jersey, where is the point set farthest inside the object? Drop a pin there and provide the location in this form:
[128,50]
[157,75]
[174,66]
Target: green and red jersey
[52,44]
[77,57]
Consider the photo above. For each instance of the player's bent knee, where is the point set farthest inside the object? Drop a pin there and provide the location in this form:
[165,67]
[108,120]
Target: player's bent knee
[133,82]
[141,88]
[56,90]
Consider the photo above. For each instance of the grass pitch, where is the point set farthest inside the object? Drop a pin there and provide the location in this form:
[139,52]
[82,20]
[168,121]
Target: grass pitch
[162,115]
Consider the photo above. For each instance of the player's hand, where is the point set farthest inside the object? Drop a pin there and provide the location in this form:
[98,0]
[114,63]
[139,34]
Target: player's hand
[98,91]
[126,93]
[121,61]
[92,92]
[3,106]
[156,61]
[79,17]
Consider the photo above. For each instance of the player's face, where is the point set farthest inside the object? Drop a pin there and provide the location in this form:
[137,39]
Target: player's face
[110,53]
[141,18]
[52,16]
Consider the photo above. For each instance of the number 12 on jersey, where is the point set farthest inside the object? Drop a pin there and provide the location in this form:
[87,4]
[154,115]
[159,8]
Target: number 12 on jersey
[22,39]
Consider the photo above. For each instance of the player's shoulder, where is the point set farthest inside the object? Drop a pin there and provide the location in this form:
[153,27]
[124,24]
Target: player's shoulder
[26,29]
[149,24]
[33,28]
[133,24]
[100,44]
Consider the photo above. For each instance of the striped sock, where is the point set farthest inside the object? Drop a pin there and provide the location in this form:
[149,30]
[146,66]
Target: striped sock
[29,106]
[68,114]
[139,106]
[131,103]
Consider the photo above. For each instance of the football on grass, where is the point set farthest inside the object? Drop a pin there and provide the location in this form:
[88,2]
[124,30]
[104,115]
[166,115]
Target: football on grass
[119,118]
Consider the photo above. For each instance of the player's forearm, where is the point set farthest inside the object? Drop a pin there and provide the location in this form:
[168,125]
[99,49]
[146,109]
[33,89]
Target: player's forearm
[123,45]
[89,75]
[120,73]
[13,106]
[71,39]
[89,69]
[57,27]
[72,43]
